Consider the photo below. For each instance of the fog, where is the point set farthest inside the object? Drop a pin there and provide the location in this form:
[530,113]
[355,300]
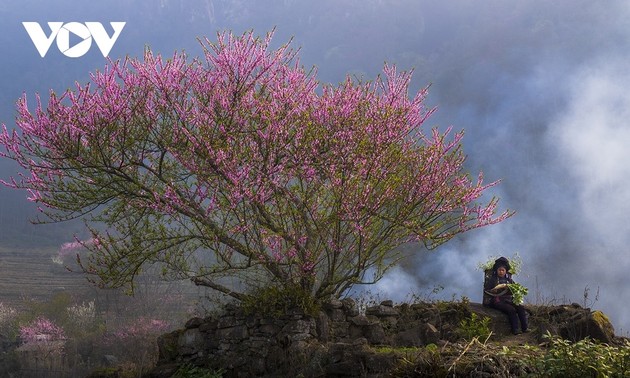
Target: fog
[539,88]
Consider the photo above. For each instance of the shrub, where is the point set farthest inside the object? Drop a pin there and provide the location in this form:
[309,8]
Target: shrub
[83,314]
[277,301]
[584,358]
[41,329]
[474,327]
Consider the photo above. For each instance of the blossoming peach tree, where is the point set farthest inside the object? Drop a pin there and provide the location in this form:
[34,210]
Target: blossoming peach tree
[239,169]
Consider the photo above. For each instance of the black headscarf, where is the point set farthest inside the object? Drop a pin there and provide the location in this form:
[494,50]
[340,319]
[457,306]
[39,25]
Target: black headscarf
[501,262]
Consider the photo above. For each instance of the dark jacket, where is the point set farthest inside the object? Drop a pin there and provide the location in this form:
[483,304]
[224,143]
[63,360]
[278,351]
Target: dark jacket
[494,280]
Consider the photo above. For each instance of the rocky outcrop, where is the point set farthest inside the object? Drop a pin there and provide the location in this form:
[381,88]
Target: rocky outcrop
[574,323]
[342,341]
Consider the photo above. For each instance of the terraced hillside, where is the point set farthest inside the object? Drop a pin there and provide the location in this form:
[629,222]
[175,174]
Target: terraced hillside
[31,274]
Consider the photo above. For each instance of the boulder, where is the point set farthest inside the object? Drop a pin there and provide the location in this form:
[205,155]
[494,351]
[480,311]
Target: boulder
[499,322]
[595,325]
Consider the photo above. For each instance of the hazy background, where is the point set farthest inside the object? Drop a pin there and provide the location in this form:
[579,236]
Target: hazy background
[539,87]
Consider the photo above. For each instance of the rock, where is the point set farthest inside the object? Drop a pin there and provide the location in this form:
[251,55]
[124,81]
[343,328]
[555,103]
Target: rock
[228,322]
[430,334]
[345,361]
[193,323]
[333,304]
[190,342]
[110,360]
[336,315]
[408,338]
[382,311]
[359,320]
[380,363]
[339,330]
[499,322]
[163,371]
[168,348]
[368,327]
[322,325]
[595,325]
[374,334]
[350,307]
[603,325]
[235,333]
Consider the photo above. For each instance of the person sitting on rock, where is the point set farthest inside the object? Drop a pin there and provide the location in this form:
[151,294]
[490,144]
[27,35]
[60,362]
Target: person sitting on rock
[501,300]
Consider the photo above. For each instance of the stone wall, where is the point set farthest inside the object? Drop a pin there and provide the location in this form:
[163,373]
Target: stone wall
[341,340]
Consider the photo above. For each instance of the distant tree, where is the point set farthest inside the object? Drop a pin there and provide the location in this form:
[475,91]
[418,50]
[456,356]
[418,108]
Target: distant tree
[240,167]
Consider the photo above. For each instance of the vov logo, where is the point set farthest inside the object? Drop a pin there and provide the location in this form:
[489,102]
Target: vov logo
[85,33]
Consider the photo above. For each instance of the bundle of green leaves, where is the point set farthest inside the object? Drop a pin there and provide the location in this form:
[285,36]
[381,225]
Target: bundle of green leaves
[518,292]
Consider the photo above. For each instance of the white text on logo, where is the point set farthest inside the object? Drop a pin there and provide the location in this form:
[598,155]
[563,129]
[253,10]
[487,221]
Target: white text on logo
[60,32]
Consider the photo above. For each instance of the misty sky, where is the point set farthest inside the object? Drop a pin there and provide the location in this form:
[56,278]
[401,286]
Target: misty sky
[539,87]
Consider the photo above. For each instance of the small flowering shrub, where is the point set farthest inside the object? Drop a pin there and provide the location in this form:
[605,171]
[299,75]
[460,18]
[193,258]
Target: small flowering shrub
[68,253]
[43,346]
[83,314]
[41,329]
